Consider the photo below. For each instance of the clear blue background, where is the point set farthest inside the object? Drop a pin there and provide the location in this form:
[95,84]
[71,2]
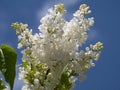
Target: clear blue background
[106,74]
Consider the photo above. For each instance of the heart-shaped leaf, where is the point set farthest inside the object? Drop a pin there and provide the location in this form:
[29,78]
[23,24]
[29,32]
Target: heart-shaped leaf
[10,57]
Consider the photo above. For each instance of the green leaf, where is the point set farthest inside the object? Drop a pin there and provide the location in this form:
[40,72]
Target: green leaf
[2,86]
[25,64]
[10,57]
[64,83]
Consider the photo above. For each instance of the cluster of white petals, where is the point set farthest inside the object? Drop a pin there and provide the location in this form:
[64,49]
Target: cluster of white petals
[51,58]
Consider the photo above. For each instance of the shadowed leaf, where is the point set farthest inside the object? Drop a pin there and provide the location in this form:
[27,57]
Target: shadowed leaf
[10,57]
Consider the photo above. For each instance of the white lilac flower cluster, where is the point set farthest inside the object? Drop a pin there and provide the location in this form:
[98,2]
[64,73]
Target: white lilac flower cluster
[51,60]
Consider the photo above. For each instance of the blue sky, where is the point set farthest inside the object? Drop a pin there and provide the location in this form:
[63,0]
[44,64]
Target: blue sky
[106,74]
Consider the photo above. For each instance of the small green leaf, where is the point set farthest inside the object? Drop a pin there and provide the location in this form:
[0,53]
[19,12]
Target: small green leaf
[10,57]
[25,64]
[64,83]
[2,86]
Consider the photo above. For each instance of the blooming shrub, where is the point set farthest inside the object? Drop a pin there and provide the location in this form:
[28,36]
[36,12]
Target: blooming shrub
[52,59]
